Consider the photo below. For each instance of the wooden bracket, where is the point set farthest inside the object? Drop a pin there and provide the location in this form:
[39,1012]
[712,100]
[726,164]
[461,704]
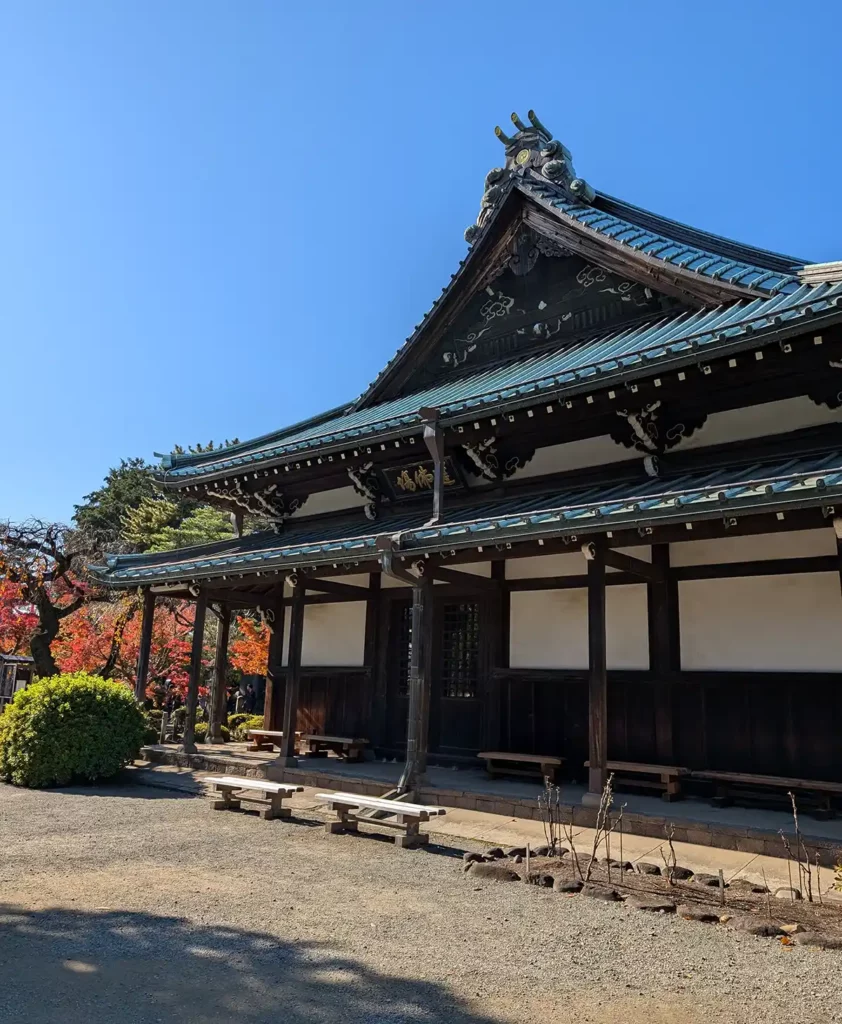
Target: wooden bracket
[334,588]
[595,552]
[465,579]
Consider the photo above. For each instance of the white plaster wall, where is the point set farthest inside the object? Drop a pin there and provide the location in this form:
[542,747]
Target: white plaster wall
[756,623]
[474,568]
[389,581]
[549,628]
[801,543]
[334,500]
[560,458]
[568,564]
[759,420]
[334,634]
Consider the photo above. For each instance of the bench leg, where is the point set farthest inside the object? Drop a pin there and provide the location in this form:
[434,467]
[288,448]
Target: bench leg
[316,752]
[412,838]
[225,802]
[550,771]
[673,788]
[343,823]
[723,797]
[276,808]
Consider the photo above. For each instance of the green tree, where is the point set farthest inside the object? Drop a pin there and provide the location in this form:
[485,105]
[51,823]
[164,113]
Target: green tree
[142,526]
[101,513]
[203,525]
[128,513]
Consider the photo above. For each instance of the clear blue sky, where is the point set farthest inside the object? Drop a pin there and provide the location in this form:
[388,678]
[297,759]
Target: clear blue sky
[218,217]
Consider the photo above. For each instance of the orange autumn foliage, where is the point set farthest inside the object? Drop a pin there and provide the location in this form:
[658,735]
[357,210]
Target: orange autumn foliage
[248,650]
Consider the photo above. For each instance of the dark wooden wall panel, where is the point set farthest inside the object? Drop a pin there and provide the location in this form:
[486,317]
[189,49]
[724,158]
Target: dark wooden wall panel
[768,723]
[335,702]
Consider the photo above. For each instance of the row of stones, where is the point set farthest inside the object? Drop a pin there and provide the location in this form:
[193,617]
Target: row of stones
[490,866]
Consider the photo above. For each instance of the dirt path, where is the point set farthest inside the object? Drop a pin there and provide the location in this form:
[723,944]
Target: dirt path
[136,905]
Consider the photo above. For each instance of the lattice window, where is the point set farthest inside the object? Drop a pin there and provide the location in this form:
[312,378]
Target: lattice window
[404,651]
[460,650]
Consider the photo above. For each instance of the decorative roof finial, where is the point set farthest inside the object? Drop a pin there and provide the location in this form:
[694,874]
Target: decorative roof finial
[537,124]
[530,151]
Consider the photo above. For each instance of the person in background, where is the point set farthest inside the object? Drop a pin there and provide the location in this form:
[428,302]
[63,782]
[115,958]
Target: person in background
[249,702]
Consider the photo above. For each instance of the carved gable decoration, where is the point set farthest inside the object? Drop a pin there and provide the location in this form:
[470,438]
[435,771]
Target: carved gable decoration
[541,296]
[654,429]
[268,502]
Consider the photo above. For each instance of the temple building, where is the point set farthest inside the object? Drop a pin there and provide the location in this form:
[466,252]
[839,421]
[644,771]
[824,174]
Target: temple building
[591,508]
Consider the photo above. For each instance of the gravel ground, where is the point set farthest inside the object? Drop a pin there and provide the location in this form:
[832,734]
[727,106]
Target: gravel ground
[140,905]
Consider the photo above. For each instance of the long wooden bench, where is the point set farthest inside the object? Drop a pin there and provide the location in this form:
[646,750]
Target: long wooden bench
[266,739]
[233,791]
[726,782]
[350,748]
[499,762]
[404,817]
[669,776]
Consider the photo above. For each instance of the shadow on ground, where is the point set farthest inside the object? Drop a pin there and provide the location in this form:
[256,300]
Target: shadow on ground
[137,968]
[119,786]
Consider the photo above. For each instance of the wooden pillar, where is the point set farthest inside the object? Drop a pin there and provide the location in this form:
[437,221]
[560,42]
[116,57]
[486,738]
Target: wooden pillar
[496,641]
[286,758]
[273,701]
[664,651]
[420,684]
[145,644]
[188,744]
[597,680]
[371,712]
[216,707]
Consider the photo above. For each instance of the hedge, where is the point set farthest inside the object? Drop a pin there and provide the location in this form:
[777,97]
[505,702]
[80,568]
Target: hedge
[67,727]
[241,730]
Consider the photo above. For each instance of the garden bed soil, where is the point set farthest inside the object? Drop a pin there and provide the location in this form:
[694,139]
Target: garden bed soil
[740,902]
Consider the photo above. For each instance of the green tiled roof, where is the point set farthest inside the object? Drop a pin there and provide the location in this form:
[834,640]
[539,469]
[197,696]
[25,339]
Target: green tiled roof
[681,246]
[627,499]
[615,356]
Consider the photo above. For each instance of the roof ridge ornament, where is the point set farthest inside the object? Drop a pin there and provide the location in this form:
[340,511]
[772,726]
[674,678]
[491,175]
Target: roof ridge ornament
[533,148]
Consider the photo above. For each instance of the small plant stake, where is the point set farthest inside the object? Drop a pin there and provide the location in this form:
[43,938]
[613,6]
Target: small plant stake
[768,896]
[785,841]
[721,888]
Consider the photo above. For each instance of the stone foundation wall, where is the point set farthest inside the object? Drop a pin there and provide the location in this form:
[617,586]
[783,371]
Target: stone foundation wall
[724,837]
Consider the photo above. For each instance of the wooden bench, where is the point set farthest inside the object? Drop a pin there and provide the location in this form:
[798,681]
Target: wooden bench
[669,776]
[407,817]
[499,762]
[233,790]
[727,782]
[266,739]
[350,748]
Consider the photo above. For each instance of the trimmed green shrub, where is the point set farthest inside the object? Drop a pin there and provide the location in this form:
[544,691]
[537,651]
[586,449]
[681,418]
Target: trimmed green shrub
[241,733]
[72,726]
[202,732]
[235,721]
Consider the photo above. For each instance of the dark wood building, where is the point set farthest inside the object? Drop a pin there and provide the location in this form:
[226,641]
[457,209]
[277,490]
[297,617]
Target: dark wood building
[592,507]
[16,672]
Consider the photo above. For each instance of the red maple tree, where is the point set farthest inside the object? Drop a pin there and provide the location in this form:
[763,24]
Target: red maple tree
[248,650]
[18,619]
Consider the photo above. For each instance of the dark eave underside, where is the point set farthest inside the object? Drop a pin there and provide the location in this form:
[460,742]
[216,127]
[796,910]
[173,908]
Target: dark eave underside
[699,488]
